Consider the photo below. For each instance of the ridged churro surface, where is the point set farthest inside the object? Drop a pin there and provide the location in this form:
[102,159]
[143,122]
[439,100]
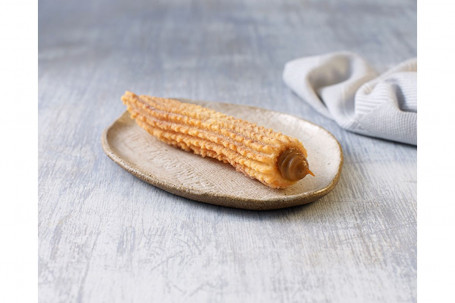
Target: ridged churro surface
[273,158]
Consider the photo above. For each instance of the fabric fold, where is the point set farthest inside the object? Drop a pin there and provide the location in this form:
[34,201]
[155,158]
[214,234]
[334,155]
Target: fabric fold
[344,87]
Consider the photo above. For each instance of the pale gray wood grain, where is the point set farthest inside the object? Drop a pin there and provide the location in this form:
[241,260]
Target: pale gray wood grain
[105,236]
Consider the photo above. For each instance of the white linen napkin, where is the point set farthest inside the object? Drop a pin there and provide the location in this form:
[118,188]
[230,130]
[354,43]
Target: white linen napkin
[345,88]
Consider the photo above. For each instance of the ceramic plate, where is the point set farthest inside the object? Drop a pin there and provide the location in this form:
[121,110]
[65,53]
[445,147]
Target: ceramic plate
[213,182]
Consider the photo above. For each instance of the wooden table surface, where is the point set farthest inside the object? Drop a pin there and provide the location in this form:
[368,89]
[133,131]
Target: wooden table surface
[106,236]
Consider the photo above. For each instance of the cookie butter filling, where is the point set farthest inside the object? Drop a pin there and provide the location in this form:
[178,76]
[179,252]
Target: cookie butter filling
[293,165]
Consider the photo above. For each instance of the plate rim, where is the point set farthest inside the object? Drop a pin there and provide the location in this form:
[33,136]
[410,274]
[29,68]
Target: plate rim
[215,198]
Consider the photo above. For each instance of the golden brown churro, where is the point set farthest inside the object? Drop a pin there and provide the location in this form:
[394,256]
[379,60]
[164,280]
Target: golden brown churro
[274,159]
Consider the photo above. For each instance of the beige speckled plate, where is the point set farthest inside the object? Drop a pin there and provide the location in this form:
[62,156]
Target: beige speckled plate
[213,182]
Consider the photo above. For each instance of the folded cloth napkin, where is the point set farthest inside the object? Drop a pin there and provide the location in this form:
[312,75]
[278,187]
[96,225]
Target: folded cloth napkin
[344,87]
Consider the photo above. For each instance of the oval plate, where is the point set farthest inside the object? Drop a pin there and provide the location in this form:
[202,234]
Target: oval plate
[210,181]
